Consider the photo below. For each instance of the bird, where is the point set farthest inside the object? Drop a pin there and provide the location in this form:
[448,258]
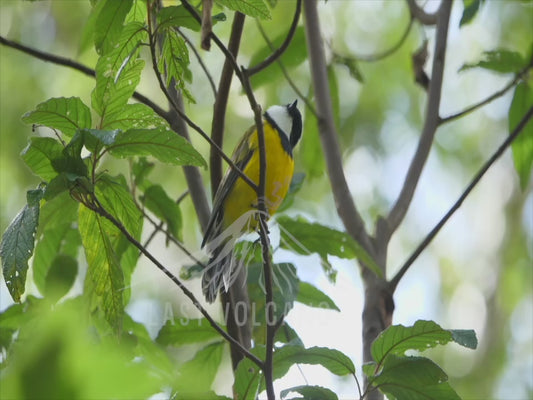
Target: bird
[235,204]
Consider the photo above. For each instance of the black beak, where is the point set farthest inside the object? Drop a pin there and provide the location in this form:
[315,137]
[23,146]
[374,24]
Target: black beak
[292,106]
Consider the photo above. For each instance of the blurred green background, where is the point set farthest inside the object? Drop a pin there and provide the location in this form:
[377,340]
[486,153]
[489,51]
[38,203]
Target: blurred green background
[478,271]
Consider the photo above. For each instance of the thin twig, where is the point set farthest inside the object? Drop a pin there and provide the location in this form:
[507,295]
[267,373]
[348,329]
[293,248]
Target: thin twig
[278,52]
[385,53]
[221,101]
[492,97]
[427,240]
[431,123]
[422,16]
[66,62]
[97,207]
[289,80]
[346,208]
[184,116]
[215,38]
[200,61]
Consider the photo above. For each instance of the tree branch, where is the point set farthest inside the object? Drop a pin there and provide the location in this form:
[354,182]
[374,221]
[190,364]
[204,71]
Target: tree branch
[328,135]
[278,52]
[97,207]
[221,101]
[489,99]
[422,16]
[425,142]
[431,235]
[66,62]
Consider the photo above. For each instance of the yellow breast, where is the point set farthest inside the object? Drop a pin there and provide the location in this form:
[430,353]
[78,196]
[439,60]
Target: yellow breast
[279,170]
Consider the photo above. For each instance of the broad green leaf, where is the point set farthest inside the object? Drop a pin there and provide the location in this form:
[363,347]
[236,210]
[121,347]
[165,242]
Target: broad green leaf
[296,184]
[252,8]
[285,334]
[118,72]
[186,331]
[522,146]
[104,282]
[17,244]
[422,335]
[39,154]
[465,337]
[414,378]
[61,360]
[87,33]
[293,56]
[333,360]
[174,61]
[141,168]
[109,24]
[310,393]
[113,194]
[135,115]
[61,276]
[311,155]
[137,12]
[55,235]
[304,237]
[501,60]
[248,376]
[471,8]
[157,200]
[197,375]
[165,145]
[314,297]
[176,16]
[64,114]
[285,287]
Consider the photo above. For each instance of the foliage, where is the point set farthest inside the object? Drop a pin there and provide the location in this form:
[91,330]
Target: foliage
[98,190]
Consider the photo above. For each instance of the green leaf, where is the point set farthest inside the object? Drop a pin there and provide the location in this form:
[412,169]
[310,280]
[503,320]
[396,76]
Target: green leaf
[186,331]
[333,360]
[303,237]
[422,335]
[55,235]
[104,282]
[414,378]
[118,72]
[177,16]
[311,154]
[108,24]
[313,297]
[17,244]
[252,8]
[502,60]
[296,184]
[285,287]
[39,154]
[471,8]
[174,61]
[522,146]
[61,276]
[141,168]
[166,146]
[248,376]
[134,116]
[157,200]
[310,393]
[64,114]
[464,337]
[137,12]
[197,375]
[113,194]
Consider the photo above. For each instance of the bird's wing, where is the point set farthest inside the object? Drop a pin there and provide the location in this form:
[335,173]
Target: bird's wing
[241,156]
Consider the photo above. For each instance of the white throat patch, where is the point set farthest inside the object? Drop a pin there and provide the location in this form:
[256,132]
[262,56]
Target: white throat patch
[280,115]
